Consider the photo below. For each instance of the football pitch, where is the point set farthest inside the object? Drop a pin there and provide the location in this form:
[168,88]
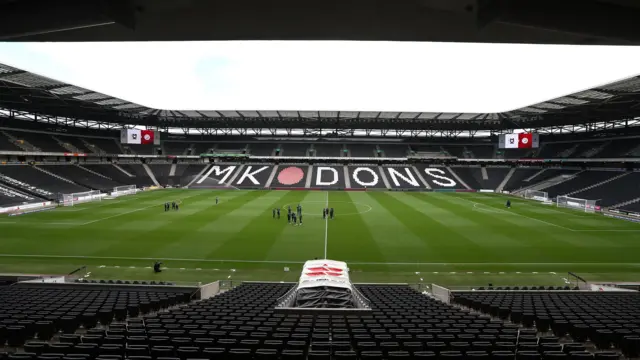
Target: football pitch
[452,239]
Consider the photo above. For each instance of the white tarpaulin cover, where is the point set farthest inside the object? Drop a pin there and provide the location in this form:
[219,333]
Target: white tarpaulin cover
[319,273]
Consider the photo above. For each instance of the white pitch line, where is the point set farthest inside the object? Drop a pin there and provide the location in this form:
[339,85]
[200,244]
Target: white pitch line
[128,212]
[298,262]
[326,227]
[515,213]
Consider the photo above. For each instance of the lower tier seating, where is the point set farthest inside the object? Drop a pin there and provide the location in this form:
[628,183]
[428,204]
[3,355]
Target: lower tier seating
[614,192]
[82,177]
[39,179]
[580,181]
[608,320]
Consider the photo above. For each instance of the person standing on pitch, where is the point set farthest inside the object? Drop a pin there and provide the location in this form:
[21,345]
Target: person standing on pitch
[289,218]
[274,213]
[278,210]
[331,213]
[324,214]
[217,199]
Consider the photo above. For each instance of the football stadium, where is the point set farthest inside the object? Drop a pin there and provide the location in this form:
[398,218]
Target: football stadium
[136,232]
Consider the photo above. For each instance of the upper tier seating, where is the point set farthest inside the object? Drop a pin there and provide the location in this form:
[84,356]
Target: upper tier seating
[618,148]
[82,177]
[294,149]
[109,146]
[518,178]
[606,319]
[39,179]
[553,150]
[146,149]
[7,145]
[175,148]
[328,150]
[42,141]
[202,148]
[30,311]
[262,149]
[232,148]
[394,150]
[362,150]
[614,192]
[580,181]
[481,151]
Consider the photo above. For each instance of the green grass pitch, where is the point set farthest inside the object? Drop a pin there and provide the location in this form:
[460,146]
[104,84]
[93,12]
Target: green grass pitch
[453,239]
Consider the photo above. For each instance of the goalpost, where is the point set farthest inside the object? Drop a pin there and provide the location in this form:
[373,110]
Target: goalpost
[124,190]
[80,197]
[576,203]
[536,195]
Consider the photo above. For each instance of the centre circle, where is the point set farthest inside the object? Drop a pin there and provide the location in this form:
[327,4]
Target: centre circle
[316,208]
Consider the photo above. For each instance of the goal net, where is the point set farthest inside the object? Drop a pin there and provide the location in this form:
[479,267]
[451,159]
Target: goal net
[536,195]
[576,203]
[123,190]
[80,197]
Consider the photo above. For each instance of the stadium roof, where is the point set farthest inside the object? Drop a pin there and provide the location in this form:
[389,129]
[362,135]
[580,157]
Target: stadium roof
[24,91]
[495,21]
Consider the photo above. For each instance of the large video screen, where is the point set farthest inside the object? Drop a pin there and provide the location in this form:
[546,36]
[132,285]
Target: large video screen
[140,137]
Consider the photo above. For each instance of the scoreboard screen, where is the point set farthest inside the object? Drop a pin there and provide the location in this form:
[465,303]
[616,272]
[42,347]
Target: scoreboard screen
[519,141]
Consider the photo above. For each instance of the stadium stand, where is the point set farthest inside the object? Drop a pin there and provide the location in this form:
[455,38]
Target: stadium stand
[328,150]
[161,172]
[108,146]
[175,148]
[361,150]
[392,150]
[9,197]
[294,149]
[141,178]
[82,177]
[243,324]
[231,147]
[580,181]
[479,151]
[25,187]
[111,172]
[142,149]
[473,176]
[518,178]
[34,177]
[203,148]
[262,149]
[8,145]
[618,148]
[189,172]
[621,189]
[43,142]
[36,310]
[607,320]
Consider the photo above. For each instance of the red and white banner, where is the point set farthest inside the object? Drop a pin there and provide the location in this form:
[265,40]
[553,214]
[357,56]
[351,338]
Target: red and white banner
[316,273]
[146,137]
[137,137]
[525,141]
[518,141]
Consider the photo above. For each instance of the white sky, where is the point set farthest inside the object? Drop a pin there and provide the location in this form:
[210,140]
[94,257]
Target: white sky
[345,76]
